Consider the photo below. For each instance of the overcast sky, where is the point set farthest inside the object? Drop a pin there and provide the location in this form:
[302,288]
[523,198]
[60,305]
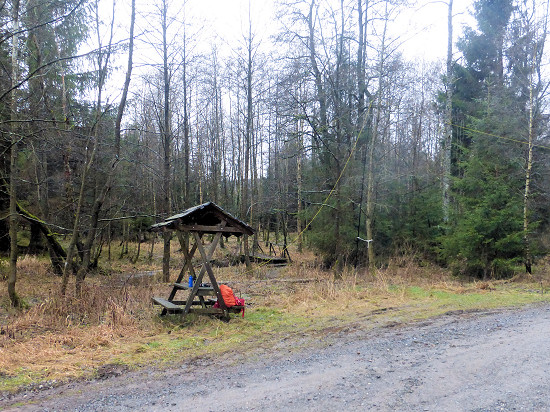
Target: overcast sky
[424,25]
[422,28]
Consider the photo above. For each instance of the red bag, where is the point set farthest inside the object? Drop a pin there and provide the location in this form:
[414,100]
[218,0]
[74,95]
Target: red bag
[227,295]
[229,298]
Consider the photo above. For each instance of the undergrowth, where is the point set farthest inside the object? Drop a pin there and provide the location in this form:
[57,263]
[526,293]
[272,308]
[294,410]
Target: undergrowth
[61,338]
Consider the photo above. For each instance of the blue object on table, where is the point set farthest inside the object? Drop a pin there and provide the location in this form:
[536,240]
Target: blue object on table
[191,281]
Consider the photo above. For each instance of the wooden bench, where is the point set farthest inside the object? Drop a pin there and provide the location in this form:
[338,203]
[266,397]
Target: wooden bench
[169,306]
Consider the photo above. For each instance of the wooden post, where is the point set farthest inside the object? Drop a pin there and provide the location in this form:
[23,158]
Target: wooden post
[187,264]
[206,267]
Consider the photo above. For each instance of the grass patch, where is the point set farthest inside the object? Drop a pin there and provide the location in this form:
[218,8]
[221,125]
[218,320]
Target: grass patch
[210,338]
[19,379]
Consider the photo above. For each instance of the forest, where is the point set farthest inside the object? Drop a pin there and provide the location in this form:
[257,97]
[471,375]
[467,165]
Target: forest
[324,135]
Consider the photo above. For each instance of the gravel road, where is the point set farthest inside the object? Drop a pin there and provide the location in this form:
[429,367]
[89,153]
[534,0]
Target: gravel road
[485,361]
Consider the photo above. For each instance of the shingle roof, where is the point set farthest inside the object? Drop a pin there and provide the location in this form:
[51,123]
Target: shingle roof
[205,218]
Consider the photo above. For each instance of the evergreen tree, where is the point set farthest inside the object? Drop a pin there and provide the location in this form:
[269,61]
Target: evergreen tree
[482,72]
[494,120]
[486,238]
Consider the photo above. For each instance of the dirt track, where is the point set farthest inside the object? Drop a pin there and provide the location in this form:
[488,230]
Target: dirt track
[458,362]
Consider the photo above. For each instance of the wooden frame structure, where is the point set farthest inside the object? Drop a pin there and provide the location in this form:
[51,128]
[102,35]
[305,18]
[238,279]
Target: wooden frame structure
[195,222]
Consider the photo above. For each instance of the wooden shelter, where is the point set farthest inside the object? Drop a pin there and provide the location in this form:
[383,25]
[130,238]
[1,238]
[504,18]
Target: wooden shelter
[197,221]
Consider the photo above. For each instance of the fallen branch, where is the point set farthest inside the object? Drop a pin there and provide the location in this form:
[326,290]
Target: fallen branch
[57,253]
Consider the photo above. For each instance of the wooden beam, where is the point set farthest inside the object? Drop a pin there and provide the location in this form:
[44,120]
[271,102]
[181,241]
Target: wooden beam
[217,311]
[188,255]
[187,264]
[201,291]
[206,258]
[208,268]
[209,229]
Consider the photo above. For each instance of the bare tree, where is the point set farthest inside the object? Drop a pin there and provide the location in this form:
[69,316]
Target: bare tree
[92,144]
[107,186]
[166,140]
[14,220]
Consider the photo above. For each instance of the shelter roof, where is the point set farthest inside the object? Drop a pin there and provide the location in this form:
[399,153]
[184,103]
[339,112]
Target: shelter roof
[205,218]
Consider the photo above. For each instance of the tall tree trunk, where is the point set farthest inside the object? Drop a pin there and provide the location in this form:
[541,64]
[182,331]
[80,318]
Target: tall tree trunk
[12,279]
[105,190]
[299,158]
[340,141]
[246,202]
[186,132]
[167,144]
[529,166]
[102,63]
[361,61]
[370,194]
[447,128]
[371,149]
[538,53]
[69,266]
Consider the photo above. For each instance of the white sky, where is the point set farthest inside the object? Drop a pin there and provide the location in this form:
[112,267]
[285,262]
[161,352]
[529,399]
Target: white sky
[423,28]
[230,17]
[424,25]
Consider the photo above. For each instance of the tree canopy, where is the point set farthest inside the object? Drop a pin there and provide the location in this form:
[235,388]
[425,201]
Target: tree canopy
[329,136]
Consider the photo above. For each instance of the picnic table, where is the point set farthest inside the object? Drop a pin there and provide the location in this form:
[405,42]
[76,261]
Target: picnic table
[195,222]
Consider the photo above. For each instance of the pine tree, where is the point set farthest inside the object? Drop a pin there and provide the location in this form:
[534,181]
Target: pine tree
[485,236]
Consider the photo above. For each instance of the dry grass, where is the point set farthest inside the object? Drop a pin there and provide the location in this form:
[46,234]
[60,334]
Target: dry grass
[59,338]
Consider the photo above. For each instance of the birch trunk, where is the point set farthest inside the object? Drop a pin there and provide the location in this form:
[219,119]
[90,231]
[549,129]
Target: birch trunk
[529,166]
[300,149]
[448,131]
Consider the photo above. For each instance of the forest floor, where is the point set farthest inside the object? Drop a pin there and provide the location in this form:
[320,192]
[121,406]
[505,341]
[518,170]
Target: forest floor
[113,330]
